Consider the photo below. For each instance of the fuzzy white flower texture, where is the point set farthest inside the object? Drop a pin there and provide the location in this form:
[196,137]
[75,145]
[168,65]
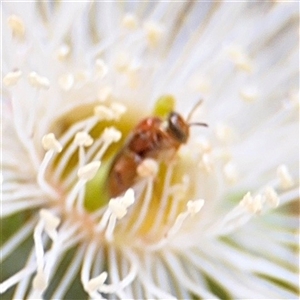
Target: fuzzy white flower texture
[216,220]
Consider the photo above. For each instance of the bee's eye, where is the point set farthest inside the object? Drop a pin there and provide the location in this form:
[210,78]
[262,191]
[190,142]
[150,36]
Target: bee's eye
[178,127]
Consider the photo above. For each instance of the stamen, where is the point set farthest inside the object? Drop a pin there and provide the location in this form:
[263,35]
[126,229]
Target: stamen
[52,146]
[51,223]
[67,238]
[86,125]
[116,210]
[177,225]
[88,171]
[10,208]
[201,84]
[240,58]
[35,105]
[67,141]
[205,145]
[128,198]
[253,205]
[131,69]
[109,136]
[12,78]
[49,142]
[224,133]
[43,263]
[39,282]
[271,197]
[239,215]
[110,227]
[103,142]
[85,174]
[82,138]
[249,94]
[196,286]
[104,220]
[285,179]
[122,62]
[230,172]
[66,81]
[164,201]
[63,52]
[178,193]
[148,168]
[204,85]
[38,81]
[293,100]
[96,283]
[146,281]
[193,207]
[145,207]
[17,26]
[133,77]
[81,77]
[118,207]
[101,68]
[257,204]
[181,188]
[67,154]
[104,93]
[80,199]
[86,269]
[207,162]
[154,33]
[102,112]
[119,286]
[130,21]
[48,222]
[118,109]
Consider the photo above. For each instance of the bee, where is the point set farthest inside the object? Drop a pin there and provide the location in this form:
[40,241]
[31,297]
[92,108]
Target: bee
[153,137]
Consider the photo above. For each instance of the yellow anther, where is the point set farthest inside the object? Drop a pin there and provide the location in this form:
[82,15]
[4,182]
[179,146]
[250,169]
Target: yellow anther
[12,78]
[130,21]
[89,171]
[38,81]
[49,142]
[17,26]
[147,168]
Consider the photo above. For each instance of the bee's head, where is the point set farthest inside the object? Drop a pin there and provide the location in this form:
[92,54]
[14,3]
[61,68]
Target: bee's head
[179,128]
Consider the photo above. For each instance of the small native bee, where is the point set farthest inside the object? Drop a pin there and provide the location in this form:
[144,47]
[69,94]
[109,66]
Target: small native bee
[154,138]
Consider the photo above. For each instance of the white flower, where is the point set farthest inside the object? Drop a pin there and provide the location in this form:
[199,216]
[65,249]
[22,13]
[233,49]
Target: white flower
[217,220]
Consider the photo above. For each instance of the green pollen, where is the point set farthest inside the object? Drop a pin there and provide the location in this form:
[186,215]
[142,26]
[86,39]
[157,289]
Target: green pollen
[96,193]
[164,105]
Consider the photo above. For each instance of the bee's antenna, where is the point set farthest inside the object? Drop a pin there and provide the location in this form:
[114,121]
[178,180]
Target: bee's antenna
[198,124]
[193,110]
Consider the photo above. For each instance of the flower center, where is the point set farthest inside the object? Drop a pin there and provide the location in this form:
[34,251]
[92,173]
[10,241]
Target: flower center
[91,138]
